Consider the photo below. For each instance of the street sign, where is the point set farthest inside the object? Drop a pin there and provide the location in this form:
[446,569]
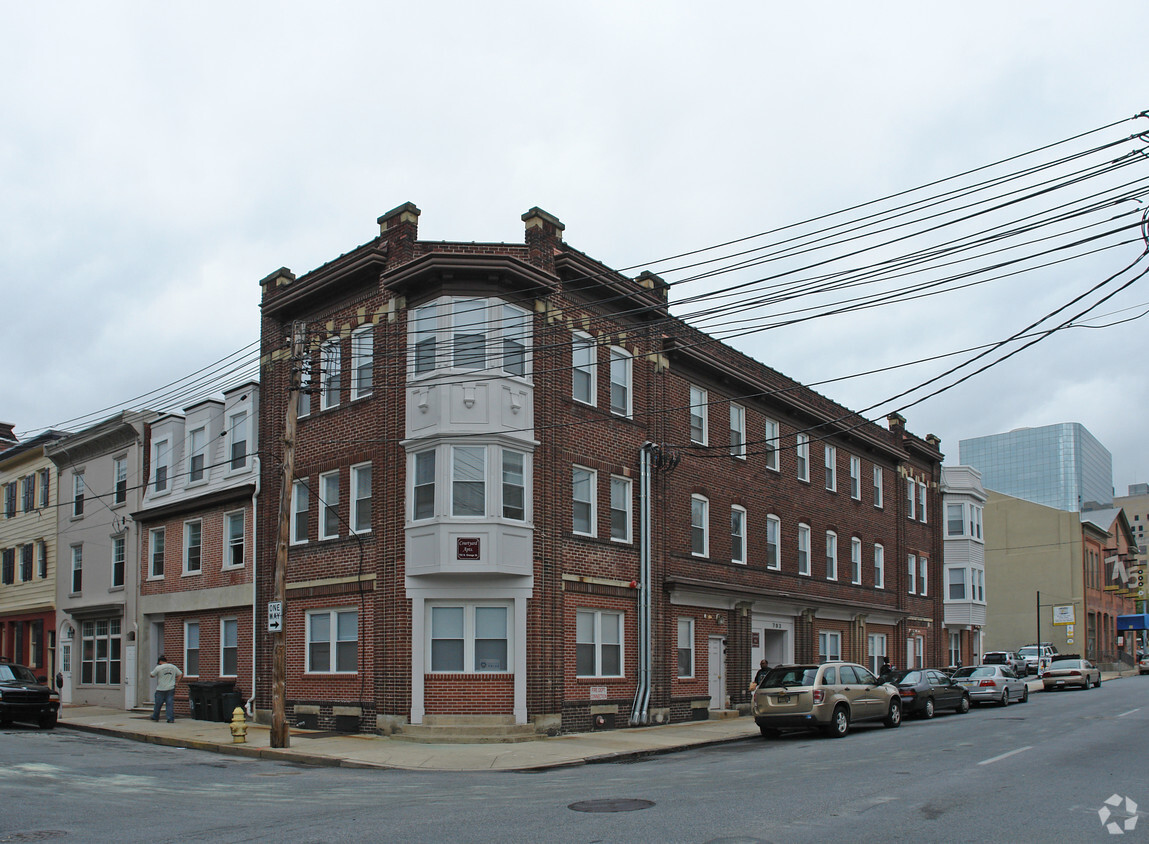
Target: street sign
[1063,614]
[274,616]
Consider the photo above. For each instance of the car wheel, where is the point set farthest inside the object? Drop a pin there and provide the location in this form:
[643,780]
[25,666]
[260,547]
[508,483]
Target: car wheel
[768,732]
[1097,685]
[894,714]
[839,722]
[1025,695]
[963,705]
[47,722]
[1005,696]
[928,712]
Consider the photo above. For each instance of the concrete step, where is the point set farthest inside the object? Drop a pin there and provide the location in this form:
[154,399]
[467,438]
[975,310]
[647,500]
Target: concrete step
[723,714]
[467,729]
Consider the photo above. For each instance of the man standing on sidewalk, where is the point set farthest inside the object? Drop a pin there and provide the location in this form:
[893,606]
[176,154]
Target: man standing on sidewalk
[166,676]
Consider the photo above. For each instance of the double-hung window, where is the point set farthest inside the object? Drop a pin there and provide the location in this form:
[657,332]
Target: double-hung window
[955,519]
[469,333]
[876,651]
[698,414]
[120,479]
[362,361]
[879,567]
[119,560]
[855,477]
[514,485]
[957,578]
[45,481]
[28,492]
[829,646]
[300,504]
[770,444]
[470,638]
[333,641]
[360,510]
[515,326]
[193,546]
[804,549]
[78,492]
[911,498]
[228,648]
[598,643]
[156,552]
[161,460]
[423,505]
[802,455]
[619,509]
[583,517]
[424,338]
[197,454]
[685,648]
[583,369]
[620,381]
[878,486]
[773,542]
[468,480]
[329,505]
[237,439]
[330,373]
[699,526]
[303,406]
[737,431]
[921,501]
[831,467]
[855,560]
[191,648]
[737,534]
[234,538]
[923,575]
[831,555]
[913,573]
[77,569]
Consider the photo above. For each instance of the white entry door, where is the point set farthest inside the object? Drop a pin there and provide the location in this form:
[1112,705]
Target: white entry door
[717,663]
[66,670]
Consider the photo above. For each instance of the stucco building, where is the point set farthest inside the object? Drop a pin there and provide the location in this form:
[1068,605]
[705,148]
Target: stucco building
[963,498]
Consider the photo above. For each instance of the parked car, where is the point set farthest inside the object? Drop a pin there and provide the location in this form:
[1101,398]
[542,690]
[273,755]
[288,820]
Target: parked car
[1034,655]
[1064,672]
[829,697]
[992,684]
[924,691]
[1143,663]
[26,697]
[1010,659]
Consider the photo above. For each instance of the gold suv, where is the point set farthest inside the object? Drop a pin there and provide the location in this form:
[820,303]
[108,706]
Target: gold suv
[829,697]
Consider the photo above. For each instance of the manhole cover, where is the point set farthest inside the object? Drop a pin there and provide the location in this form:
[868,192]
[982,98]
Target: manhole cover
[611,805]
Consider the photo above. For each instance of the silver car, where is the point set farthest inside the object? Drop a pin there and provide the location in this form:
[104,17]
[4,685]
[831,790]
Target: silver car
[1065,672]
[992,684]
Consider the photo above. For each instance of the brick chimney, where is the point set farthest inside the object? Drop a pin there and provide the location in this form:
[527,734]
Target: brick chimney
[653,282]
[7,435]
[401,228]
[544,233]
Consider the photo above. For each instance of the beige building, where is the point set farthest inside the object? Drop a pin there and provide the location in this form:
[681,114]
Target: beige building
[1045,565]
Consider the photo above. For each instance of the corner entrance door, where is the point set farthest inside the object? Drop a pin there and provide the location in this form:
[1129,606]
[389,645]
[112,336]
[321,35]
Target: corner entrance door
[717,669]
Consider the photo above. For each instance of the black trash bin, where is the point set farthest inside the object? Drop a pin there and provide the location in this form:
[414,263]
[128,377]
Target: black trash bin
[196,703]
[228,701]
[215,707]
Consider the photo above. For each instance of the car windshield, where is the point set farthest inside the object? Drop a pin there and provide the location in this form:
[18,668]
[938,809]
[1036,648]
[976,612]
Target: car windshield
[794,675]
[1028,652]
[17,673]
[1065,663]
[975,671]
[993,659]
[906,678]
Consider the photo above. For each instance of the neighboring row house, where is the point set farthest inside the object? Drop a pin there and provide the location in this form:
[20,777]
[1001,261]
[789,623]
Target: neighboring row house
[196,530]
[963,497]
[100,474]
[524,491]
[27,552]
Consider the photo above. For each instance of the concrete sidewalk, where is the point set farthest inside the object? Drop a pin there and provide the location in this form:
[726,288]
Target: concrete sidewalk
[371,751]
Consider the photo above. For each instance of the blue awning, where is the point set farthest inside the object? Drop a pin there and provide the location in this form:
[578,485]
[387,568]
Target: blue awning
[1133,622]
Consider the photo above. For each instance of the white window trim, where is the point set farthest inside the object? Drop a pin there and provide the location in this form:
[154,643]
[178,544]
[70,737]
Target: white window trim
[737,430]
[162,448]
[227,518]
[689,622]
[118,464]
[198,648]
[698,407]
[773,443]
[413,474]
[469,636]
[921,502]
[330,373]
[628,498]
[855,477]
[187,547]
[912,499]
[359,356]
[598,642]
[356,496]
[152,533]
[831,555]
[705,526]
[831,462]
[832,652]
[324,505]
[222,626]
[879,492]
[855,561]
[485,476]
[744,541]
[617,353]
[802,456]
[923,575]
[879,566]
[804,546]
[582,340]
[193,451]
[912,564]
[232,430]
[333,629]
[593,501]
[775,563]
[297,487]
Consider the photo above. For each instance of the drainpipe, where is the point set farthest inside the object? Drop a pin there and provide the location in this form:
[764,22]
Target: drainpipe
[640,711]
[250,705]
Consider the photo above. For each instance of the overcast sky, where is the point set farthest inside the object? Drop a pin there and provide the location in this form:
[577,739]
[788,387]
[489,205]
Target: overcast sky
[157,160]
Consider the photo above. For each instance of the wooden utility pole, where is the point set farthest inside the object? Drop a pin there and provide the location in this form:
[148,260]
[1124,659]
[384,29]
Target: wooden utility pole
[280,736]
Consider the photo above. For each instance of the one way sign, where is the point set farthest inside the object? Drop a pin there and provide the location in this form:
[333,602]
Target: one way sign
[274,616]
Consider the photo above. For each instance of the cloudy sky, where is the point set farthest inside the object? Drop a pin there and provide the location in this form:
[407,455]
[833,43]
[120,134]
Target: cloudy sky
[157,160]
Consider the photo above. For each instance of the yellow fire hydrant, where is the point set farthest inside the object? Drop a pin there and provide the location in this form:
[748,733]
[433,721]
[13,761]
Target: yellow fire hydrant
[238,726]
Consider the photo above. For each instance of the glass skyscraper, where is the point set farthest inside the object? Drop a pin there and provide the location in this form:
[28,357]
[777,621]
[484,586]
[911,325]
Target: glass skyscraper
[1061,466]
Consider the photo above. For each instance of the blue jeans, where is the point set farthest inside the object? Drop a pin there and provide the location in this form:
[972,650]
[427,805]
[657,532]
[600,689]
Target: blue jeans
[170,697]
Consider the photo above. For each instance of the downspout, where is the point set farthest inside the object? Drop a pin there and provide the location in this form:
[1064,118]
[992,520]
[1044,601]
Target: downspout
[640,711]
[250,705]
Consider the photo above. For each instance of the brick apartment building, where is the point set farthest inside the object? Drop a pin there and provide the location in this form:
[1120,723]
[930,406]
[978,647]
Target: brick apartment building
[523,490]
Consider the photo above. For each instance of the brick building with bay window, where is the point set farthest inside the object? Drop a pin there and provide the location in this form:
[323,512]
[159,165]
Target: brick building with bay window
[524,492]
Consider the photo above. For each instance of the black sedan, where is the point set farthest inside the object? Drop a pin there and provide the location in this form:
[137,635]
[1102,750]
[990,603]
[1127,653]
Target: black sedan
[926,690]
